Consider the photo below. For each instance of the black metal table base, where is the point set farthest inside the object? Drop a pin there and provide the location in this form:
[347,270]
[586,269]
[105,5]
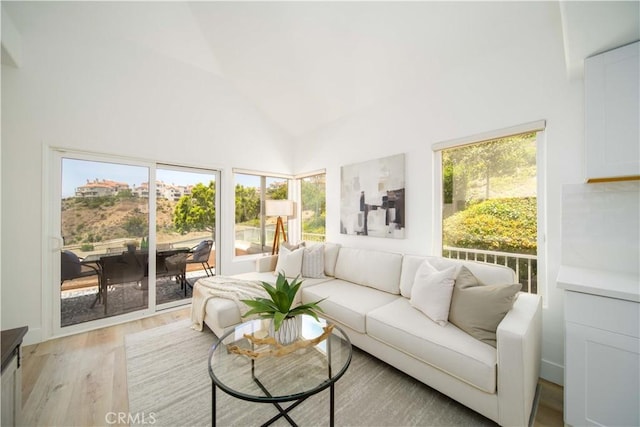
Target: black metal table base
[284,412]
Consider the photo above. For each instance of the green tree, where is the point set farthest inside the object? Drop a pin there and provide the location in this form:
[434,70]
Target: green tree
[447,179]
[314,198]
[125,194]
[486,160]
[247,204]
[277,191]
[136,224]
[196,211]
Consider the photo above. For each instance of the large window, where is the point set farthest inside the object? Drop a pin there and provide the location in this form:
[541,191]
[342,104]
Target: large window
[255,228]
[490,204]
[254,231]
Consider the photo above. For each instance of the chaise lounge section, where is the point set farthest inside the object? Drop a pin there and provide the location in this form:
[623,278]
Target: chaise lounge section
[369,294]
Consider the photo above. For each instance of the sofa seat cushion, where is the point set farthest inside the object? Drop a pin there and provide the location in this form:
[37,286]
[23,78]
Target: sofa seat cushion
[447,348]
[223,313]
[346,302]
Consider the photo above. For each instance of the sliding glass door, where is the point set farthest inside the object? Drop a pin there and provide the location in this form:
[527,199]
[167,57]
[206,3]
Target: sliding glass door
[110,261]
[185,231]
[103,224]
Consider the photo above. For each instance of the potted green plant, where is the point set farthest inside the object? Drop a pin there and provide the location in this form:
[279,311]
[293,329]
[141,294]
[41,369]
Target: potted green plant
[279,308]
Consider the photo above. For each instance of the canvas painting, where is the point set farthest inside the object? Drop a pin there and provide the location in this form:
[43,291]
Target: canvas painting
[372,198]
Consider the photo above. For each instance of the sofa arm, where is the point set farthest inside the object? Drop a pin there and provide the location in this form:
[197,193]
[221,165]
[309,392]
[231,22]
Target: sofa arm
[266,263]
[519,342]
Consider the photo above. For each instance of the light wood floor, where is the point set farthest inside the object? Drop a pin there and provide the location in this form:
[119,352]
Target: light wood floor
[81,380]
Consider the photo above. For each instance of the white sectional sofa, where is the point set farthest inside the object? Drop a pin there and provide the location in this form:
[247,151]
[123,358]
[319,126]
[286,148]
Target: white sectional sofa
[368,293]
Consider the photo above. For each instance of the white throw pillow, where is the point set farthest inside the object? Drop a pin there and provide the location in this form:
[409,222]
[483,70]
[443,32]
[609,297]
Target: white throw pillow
[289,262]
[313,261]
[432,290]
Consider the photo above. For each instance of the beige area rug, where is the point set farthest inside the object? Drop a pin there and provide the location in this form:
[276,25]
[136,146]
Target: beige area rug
[169,383]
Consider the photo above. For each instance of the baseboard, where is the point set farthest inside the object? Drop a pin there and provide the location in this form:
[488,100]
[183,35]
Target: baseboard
[552,372]
[34,336]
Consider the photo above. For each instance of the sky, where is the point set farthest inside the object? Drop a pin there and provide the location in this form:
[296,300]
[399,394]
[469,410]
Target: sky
[76,172]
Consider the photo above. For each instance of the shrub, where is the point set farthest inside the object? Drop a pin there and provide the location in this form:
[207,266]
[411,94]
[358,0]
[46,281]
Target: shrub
[507,225]
[135,224]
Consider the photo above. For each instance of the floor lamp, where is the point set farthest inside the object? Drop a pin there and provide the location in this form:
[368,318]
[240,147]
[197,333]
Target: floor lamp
[279,208]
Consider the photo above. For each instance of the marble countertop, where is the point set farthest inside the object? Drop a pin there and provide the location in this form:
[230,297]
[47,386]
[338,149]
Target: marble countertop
[610,284]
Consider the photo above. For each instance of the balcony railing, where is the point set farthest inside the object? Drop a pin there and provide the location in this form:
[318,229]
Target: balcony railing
[313,237]
[525,265]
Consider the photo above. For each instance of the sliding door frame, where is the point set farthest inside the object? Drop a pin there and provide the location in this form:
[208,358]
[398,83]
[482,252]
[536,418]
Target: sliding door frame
[53,243]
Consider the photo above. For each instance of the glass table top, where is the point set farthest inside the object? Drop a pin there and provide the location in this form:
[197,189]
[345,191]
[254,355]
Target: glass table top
[277,378]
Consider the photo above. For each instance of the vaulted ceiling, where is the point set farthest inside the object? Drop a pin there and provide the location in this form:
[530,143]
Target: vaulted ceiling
[306,64]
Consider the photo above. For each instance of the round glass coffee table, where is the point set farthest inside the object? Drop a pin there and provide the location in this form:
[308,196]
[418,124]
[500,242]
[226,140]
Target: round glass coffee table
[244,367]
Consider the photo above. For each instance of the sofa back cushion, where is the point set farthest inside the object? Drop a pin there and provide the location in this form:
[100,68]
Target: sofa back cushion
[376,269]
[487,274]
[331,251]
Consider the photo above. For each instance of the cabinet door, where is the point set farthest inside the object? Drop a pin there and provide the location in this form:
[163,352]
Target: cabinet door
[612,113]
[11,394]
[602,377]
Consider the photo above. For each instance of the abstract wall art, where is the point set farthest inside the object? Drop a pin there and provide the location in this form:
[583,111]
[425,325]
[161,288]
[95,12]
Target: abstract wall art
[372,198]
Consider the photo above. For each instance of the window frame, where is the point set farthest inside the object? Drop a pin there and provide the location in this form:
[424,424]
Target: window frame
[52,242]
[263,176]
[539,128]
[294,193]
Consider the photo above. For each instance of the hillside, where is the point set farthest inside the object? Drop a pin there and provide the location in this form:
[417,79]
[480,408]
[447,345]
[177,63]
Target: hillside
[106,218]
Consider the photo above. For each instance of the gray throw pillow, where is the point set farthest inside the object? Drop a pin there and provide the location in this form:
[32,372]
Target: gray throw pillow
[313,261]
[478,309]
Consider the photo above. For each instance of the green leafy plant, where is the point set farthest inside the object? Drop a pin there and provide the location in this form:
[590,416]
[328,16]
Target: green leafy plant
[279,304]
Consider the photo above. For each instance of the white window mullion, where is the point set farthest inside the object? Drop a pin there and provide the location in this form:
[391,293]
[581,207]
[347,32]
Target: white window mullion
[152,239]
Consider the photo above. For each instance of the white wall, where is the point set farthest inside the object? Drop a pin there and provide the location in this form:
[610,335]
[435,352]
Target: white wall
[520,84]
[108,95]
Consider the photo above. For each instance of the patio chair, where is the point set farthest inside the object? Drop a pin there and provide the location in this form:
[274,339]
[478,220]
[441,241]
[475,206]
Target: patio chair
[200,255]
[173,265]
[72,267]
[127,267]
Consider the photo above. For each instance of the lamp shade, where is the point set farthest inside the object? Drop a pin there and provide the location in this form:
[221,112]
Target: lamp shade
[278,208]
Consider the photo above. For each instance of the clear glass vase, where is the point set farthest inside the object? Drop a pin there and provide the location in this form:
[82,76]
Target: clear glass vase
[289,331]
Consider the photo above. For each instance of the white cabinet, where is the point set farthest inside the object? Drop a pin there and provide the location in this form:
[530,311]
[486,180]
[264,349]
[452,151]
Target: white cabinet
[602,360]
[612,113]
[11,392]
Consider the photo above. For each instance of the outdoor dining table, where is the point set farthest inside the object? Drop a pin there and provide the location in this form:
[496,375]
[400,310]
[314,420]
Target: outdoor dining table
[142,255]
[95,258]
